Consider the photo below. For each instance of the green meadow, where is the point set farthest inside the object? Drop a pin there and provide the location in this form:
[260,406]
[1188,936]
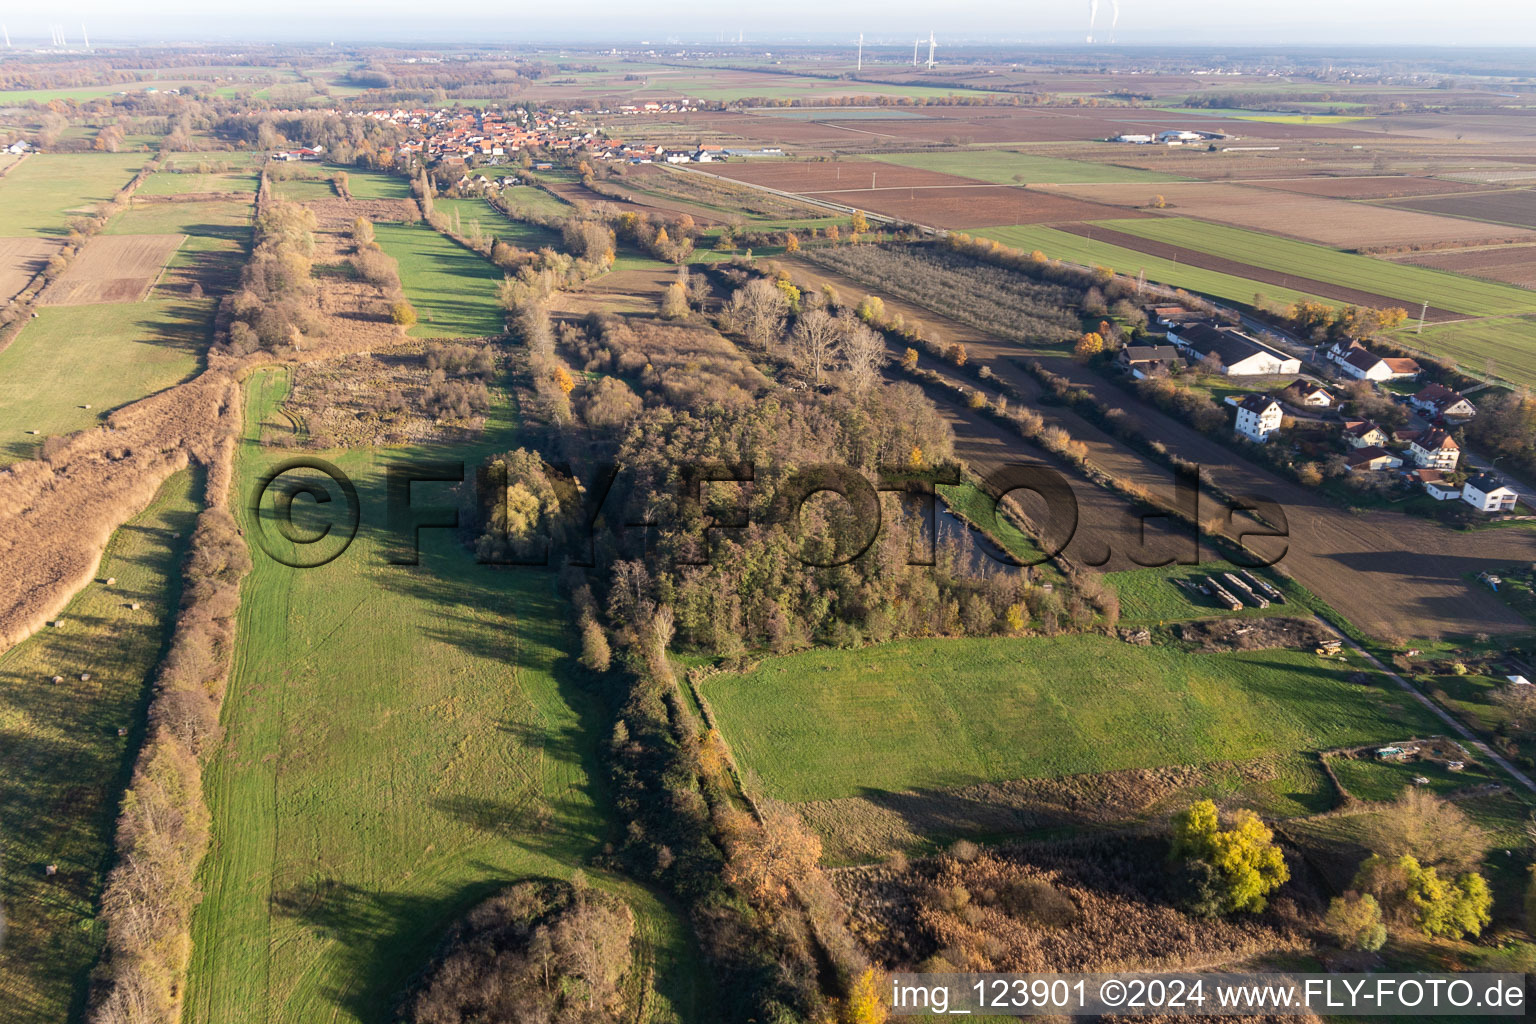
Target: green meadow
[452,288]
[41,194]
[925,714]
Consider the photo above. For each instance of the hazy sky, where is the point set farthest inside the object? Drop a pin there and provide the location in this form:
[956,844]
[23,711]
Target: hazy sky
[1435,22]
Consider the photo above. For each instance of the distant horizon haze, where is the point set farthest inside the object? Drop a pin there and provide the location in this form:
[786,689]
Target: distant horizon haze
[1493,23]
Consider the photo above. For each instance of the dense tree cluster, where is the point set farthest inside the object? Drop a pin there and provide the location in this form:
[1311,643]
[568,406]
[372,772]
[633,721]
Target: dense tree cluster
[536,953]
[272,308]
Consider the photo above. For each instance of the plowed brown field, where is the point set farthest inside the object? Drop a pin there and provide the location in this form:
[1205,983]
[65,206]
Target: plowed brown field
[1387,186]
[1513,264]
[20,260]
[113,268]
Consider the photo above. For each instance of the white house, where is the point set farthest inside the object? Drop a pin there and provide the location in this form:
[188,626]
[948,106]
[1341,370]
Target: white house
[1487,493]
[1258,416]
[1355,360]
[1306,394]
[1437,486]
[1435,449]
[1437,400]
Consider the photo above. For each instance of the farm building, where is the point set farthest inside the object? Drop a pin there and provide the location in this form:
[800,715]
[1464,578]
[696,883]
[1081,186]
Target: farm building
[1258,417]
[1435,449]
[1235,353]
[1144,360]
[1487,493]
[1437,400]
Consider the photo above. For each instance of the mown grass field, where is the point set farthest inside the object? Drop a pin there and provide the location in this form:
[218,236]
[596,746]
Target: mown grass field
[1440,288]
[62,763]
[924,714]
[522,234]
[103,356]
[169,183]
[1063,245]
[452,288]
[365,184]
[401,741]
[1005,167]
[39,195]
[304,190]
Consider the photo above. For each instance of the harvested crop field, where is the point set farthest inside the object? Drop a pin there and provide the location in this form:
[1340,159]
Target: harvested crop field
[20,260]
[1333,222]
[1385,186]
[833,175]
[973,206]
[113,268]
[1205,261]
[1515,206]
[1512,264]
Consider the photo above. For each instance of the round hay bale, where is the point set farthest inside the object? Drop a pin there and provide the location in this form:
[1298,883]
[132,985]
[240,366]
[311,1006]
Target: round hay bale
[58,679]
[121,731]
[51,870]
[134,605]
[85,677]
[87,405]
[111,580]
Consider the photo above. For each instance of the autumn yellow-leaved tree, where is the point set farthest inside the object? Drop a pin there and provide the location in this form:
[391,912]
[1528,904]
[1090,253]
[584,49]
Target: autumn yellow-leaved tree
[864,1005]
[1229,870]
[563,380]
[859,223]
[1089,345]
[791,243]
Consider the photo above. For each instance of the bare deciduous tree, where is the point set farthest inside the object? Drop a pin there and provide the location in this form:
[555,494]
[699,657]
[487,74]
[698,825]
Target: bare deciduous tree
[863,353]
[815,339]
[760,309]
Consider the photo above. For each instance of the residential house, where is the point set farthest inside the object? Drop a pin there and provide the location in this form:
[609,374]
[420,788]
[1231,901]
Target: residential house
[1371,459]
[1165,316]
[1305,394]
[1234,353]
[1144,360]
[1258,416]
[1439,402]
[1437,485]
[1435,449]
[1357,361]
[1363,434]
[1487,493]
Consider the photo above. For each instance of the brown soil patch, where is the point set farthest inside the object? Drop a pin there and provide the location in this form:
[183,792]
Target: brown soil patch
[20,260]
[113,268]
[1333,222]
[1205,261]
[1515,264]
[1510,206]
[1253,634]
[1390,186]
